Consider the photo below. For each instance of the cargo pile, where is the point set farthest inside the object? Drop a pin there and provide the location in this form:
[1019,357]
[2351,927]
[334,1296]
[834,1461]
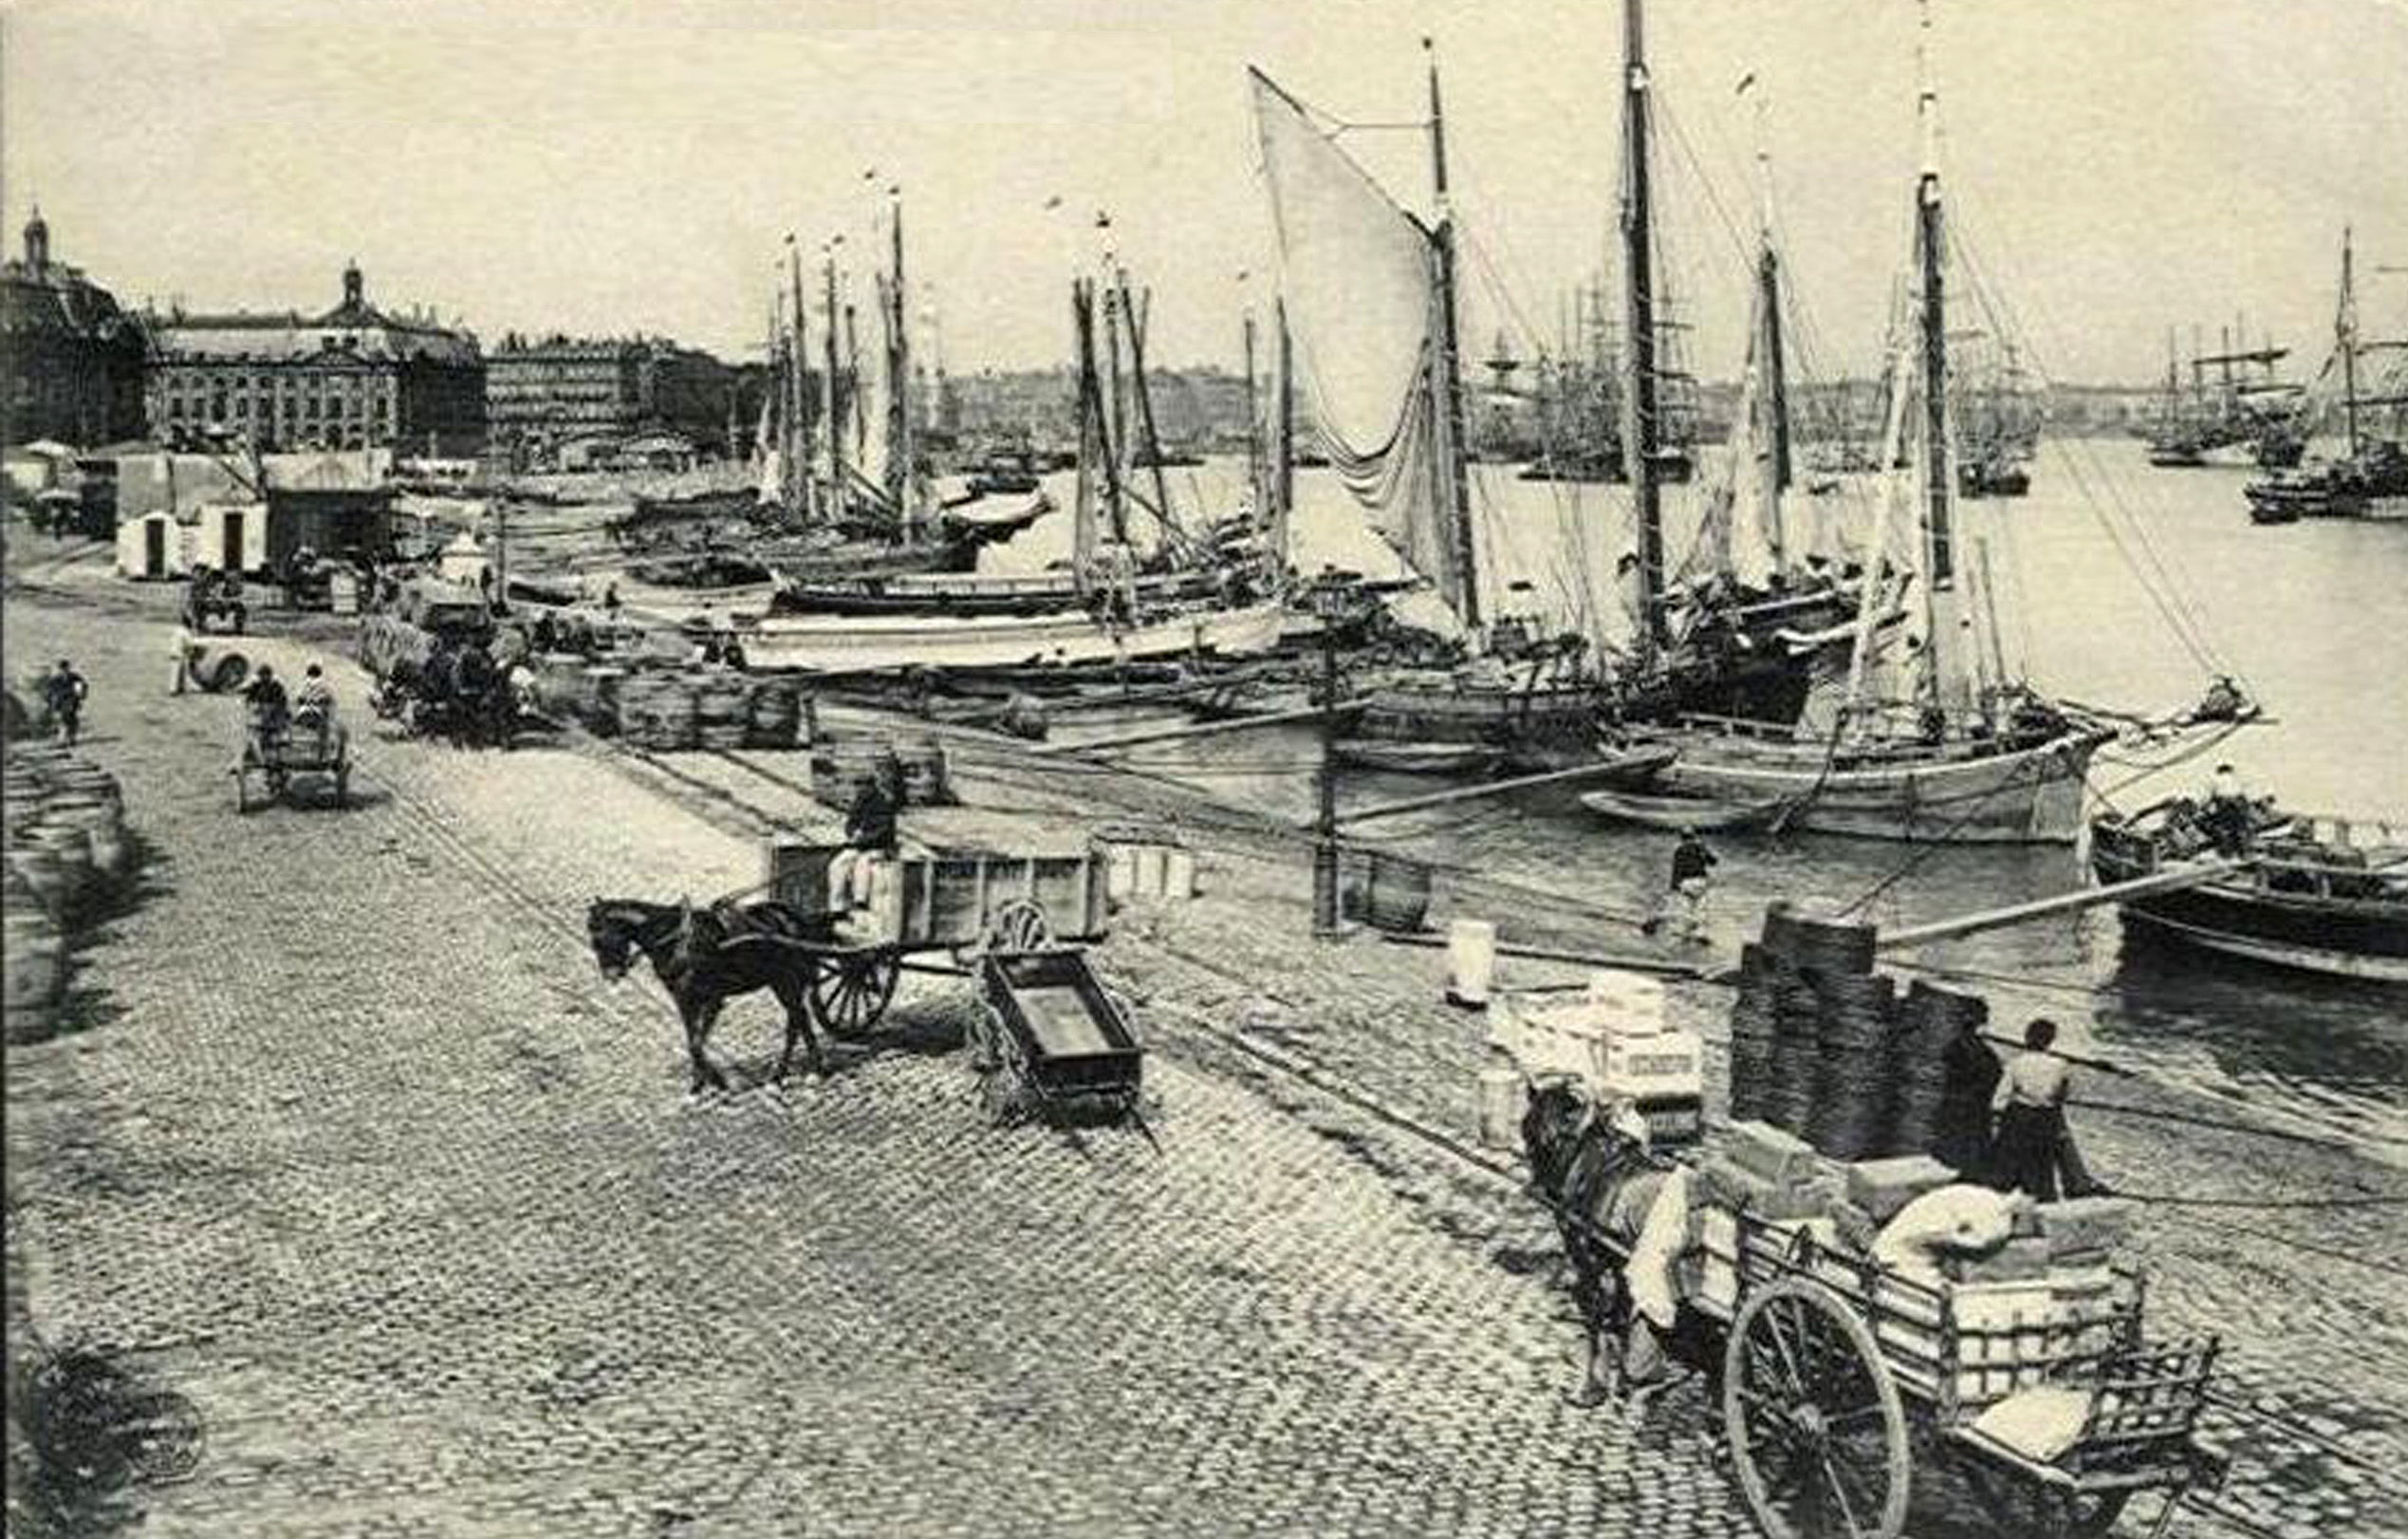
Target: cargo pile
[67,855]
[1823,1047]
[671,710]
[1613,1038]
[1995,1311]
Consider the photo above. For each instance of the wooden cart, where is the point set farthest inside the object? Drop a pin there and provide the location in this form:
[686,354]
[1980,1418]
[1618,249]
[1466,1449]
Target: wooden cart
[276,759]
[1047,1042]
[1838,1375]
[964,883]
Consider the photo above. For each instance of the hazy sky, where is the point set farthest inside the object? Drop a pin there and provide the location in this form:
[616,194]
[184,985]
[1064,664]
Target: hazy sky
[2121,165]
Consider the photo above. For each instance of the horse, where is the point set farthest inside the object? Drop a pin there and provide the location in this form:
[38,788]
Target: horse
[703,956]
[1595,1179]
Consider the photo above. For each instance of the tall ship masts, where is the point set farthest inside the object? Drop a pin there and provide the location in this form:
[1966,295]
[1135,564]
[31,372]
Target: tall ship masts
[1641,425]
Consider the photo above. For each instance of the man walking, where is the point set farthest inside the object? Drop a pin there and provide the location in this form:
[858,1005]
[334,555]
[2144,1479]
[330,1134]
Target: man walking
[1693,865]
[63,692]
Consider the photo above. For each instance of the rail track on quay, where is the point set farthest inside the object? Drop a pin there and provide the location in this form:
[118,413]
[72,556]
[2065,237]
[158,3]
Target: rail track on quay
[1234,832]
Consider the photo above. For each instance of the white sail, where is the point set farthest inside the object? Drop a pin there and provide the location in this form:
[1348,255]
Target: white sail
[1359,277]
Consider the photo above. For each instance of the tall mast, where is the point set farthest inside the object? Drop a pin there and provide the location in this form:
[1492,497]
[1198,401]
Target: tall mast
[1257,473]
[898,381]
[1117,437]
[1939,573]
[796,453]
[835,415]
[1639,425]
[1776,395]
[1454,487]
[1282,437]
[2346,340]
[1137,309]
[1093,450]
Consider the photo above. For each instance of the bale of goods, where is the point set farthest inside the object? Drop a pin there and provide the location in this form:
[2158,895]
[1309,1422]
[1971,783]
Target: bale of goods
[2081,1229]
[1855,1094]
[1387,892]
[1881,1187]
[1768,1152]
[2021,1259]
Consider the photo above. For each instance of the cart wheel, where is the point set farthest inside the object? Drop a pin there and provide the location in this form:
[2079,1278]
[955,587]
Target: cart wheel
[1019,925]
[850,992]
[1818,1433]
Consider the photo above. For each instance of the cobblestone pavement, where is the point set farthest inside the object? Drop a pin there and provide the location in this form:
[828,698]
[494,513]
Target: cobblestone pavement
[426,1229]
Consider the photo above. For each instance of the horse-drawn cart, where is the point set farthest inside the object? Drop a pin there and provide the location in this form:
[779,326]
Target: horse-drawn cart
[1002,900]
[1839,1378]
[275,756]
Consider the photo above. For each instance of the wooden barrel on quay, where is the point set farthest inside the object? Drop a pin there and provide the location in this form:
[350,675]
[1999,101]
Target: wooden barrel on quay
[774,714]
[657,711]
[37,866]
[32,972]
[1856,1089]
[722,709]
[1387,892]
[840,764]
[98,820]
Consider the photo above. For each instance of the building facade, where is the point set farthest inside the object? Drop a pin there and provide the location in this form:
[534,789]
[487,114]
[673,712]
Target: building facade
[72,364]
[353,378]
[549,399]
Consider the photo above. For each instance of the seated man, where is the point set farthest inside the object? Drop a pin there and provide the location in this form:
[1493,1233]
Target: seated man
[313,704]
[869,835]
[270,708]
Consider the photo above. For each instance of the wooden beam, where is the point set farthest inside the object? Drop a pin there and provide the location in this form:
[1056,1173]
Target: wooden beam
[1644,761]
[1993,919]
[1668,966]
[1200,729]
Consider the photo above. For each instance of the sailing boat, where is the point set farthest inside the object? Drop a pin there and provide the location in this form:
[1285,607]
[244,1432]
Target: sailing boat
[1938,743]
[2370,480]
[1107,609]
[1371,293]
[1998,427]
[2248,417]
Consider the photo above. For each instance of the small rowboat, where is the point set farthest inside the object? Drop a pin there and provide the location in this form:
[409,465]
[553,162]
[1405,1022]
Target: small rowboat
[1696,813]
[1420,758]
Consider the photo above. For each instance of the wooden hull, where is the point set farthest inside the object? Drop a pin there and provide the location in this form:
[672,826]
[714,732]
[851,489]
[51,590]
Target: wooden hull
[852,644]
[2020,796]
[1418,758]
[1680,812]
[2281,917]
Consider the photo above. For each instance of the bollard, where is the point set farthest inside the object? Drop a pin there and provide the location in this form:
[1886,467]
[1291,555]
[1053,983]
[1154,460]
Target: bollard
[1471,962]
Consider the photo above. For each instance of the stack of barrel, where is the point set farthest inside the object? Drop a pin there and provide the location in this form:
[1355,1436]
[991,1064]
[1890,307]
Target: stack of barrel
[62,828]
[1822,1047]
[657,710]
[841,761]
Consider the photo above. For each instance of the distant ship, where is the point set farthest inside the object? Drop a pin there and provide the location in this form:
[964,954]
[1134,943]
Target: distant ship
[2370,479]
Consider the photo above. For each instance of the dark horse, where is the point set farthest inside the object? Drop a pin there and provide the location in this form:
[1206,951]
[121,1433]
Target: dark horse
[1585,1170]
[704,956]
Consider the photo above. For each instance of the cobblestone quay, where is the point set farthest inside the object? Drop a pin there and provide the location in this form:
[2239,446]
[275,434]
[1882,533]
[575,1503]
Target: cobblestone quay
[351,1146]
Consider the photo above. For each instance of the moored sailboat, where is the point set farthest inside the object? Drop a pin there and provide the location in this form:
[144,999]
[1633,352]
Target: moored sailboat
[2370,478]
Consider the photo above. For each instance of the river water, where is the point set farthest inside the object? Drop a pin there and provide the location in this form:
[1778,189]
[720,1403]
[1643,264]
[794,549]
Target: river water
[2313,616]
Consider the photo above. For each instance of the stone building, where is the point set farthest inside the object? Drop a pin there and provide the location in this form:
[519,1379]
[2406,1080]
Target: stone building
[353,378]
[71,360]
[545,398]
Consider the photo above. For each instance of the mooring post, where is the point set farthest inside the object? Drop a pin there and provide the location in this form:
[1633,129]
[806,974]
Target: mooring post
[1326,829]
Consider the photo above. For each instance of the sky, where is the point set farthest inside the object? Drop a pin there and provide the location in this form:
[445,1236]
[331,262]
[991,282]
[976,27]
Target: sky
[2117,167]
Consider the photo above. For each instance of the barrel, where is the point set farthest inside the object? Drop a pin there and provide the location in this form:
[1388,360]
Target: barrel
[604,683]
[37,865]
[73,848]
[1856,1083]
[33,973]
[98,820]
[722,709]
[773,713]
[1471,962]
[224,674]
[657,711]
[1504,1099]
[1387,892]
